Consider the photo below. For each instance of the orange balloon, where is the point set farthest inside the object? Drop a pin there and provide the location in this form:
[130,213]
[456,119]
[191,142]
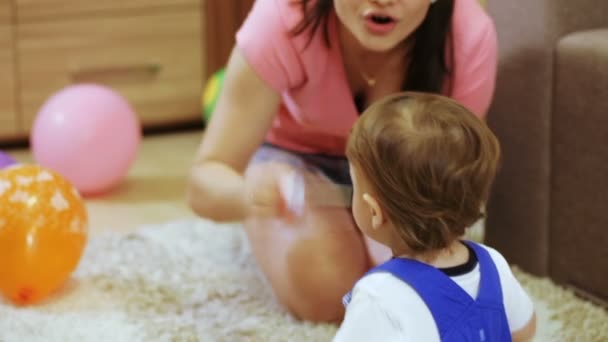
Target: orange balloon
[43,231]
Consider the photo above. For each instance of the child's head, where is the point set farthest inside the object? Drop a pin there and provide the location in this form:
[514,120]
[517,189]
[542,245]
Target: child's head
[424,164]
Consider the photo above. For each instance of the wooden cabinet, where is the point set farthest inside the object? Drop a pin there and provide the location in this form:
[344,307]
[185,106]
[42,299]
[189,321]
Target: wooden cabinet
[154,59]
[8,111]
[33,10]
[223,19]
[149,51]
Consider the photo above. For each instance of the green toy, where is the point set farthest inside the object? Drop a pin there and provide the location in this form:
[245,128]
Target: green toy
[212,93]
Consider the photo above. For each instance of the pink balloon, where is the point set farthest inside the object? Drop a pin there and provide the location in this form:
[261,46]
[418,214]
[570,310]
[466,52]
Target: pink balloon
[89,134]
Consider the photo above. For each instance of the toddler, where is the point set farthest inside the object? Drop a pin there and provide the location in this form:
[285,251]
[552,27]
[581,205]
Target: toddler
[422,167]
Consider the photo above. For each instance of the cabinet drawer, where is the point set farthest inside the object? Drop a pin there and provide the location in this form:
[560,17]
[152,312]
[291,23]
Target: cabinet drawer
[8,117]
[155,61]
[5,13]
[29,10]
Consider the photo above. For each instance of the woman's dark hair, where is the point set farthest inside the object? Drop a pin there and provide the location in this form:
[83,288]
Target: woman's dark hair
[427,69]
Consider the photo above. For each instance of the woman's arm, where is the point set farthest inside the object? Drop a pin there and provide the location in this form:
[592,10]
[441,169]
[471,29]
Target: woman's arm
[243,114]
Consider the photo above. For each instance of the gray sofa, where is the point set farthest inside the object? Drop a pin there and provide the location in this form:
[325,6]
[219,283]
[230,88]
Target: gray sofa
[549,209]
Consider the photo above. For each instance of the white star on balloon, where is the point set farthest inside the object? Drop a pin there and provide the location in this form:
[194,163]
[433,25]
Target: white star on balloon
[59,202]
[44,176]
[4,186]
[76,226]
[24,181]
[20,197]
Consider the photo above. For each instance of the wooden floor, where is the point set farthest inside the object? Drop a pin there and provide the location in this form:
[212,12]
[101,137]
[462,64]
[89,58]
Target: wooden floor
[153,191]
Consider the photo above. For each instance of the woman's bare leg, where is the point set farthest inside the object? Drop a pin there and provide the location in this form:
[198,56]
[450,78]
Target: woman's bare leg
[310,261]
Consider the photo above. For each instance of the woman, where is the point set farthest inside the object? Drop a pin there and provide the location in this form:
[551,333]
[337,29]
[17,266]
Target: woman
[297,79]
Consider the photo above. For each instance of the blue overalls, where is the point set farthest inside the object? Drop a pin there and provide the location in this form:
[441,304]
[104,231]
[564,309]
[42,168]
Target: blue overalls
[458,316]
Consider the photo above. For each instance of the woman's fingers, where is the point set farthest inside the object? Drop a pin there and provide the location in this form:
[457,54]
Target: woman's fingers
[262,189]
[279,190]
[303,190]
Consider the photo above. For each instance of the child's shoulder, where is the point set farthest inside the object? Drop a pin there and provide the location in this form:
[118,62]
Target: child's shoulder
[388,291]
[508,280]
[398,303]
[376,284]
[498,259]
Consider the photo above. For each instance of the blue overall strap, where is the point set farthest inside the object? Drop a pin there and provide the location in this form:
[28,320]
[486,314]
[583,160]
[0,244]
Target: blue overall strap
[490,299]
[458,316]
[447,301]
[490,289]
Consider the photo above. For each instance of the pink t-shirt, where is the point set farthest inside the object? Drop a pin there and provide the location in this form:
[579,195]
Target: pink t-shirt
[317,110]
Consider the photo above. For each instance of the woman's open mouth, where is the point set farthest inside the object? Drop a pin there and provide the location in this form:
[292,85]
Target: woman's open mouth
[378,23]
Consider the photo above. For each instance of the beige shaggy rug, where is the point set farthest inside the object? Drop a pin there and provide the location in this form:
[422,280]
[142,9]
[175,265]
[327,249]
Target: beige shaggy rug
[197,281]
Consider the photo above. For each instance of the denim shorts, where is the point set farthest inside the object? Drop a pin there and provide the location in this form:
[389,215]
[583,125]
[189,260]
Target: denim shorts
[335,168]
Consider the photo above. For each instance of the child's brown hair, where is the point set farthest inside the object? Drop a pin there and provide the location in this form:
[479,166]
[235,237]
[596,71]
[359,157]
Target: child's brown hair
[430,163]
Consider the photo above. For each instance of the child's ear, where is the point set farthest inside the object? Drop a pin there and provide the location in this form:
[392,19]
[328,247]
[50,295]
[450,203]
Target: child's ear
[377,214]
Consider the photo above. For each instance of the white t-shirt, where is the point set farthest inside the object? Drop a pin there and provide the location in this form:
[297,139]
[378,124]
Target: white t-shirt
[384,308]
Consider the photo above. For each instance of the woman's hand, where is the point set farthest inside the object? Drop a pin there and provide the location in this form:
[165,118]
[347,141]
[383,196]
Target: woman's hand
[263,196]
[278,190]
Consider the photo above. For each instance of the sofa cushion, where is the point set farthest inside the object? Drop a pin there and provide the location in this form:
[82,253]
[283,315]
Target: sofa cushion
[579,198]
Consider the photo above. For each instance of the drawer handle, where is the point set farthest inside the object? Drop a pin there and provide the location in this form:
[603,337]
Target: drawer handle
[127,72]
